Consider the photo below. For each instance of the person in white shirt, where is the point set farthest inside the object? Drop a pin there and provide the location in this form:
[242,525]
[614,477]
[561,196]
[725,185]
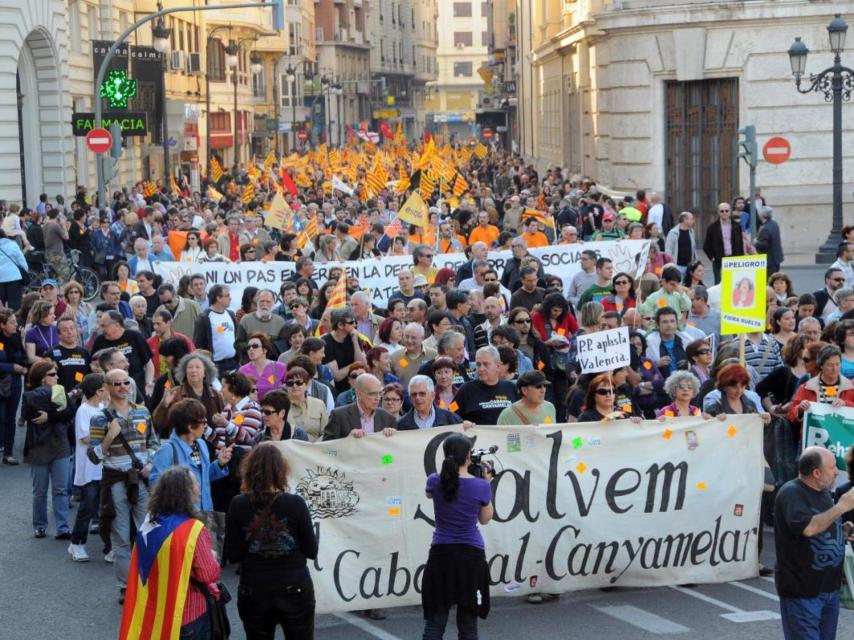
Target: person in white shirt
[845,263]
[655,215]
[87,475]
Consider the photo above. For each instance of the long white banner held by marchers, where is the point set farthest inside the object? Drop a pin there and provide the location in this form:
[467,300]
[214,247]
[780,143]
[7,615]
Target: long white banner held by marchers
[380,275]
[577,506]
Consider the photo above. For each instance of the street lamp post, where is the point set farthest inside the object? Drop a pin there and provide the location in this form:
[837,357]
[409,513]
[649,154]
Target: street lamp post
[291,77]
[231,61]
[160,35]
[208,93]
[325,83]
[837,83]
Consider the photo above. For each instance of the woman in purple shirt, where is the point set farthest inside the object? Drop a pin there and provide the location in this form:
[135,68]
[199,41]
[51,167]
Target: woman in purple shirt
[456,571]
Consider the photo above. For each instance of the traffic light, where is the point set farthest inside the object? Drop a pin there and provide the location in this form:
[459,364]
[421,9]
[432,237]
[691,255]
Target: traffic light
[278,14]
[748,145]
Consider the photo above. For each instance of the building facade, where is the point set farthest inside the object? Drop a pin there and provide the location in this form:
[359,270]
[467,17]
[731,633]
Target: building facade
[651,94]
[458,92]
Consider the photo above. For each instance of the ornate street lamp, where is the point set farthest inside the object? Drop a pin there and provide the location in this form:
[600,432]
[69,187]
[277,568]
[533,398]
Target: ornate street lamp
[836,83]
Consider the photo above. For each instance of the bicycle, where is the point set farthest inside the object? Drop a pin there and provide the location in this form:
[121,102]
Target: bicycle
[40,270]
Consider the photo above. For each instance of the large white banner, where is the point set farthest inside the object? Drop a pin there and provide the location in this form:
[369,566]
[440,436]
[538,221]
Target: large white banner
[380,275]
[577,506]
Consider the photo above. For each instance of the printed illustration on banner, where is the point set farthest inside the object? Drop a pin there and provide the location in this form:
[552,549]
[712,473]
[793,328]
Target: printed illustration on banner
[328,493]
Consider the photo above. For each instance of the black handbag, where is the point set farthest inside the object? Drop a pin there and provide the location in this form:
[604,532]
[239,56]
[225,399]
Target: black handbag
[220,625]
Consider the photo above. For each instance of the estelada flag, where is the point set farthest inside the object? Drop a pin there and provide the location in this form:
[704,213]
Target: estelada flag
[159,577]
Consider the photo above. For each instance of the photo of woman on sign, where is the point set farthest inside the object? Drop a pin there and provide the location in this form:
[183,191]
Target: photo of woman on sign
[743,294]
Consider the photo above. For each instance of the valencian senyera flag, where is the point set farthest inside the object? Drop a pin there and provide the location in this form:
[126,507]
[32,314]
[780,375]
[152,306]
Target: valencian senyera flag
[159,577]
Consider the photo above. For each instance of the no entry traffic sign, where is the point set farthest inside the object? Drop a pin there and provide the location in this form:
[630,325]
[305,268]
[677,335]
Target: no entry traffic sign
[487,133]
[302,135]
[777,150]
[99,140]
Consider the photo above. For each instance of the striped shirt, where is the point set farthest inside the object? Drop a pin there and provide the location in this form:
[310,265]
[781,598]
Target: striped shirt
[137,429]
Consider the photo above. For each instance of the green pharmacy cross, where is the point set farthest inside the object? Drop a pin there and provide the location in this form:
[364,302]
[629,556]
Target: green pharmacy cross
[118,88]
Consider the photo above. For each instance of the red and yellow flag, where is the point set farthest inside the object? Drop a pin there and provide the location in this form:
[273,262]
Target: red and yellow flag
[216,170]
[338,297]
[159,577]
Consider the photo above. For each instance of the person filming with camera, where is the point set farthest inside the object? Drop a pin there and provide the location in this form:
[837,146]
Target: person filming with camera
[456,571]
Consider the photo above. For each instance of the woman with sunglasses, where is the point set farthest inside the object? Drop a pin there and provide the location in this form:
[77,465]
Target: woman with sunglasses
[349,396]
[192,252]
[299,307]
[623,296]
[600,401]
[306,412]
[267,374]
[77,308]
[682,387]
[275,409]
[532,407]
[529,344]
[699,355]
[47,411]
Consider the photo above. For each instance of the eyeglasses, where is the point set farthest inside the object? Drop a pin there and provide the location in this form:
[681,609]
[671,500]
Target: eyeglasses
[837,279]
[604,392]
[703,352]
[254,345]
[120,383]
[431,257]
[621,282]
[269,412]
[684,387]
[348,322]
[294,383]
[522,321]
[723,210]
[51,374]
[392,399]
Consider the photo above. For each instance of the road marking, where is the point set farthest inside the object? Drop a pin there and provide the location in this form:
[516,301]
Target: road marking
[756,590]
[366,626]
[642,619]
[735,614]
[767,578]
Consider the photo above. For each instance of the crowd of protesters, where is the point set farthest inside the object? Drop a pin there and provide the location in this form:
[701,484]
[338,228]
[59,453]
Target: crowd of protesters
[114,393]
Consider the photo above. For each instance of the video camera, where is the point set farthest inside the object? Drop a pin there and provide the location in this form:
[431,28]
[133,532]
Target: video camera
[476,468]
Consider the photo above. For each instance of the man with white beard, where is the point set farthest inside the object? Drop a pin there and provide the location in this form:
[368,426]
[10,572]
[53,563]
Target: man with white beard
[262,320]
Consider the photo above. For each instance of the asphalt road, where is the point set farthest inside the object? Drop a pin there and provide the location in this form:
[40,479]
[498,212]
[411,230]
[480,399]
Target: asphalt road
[46,595]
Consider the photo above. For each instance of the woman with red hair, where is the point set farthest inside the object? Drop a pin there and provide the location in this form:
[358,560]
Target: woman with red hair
[599,402]
[732,381]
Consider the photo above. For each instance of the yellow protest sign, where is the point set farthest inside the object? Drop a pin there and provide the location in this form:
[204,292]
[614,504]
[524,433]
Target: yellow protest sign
[743,285]
[415,211]
[278,213]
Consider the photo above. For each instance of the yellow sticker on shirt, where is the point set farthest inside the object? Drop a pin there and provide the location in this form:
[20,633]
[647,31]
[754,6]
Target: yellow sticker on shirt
[404,362]
[271,378]
[140,426]
[220,329]
[2,346]
[662,303]
[78,376]
[547,420]
[238,419]
[830,391]
[454,406]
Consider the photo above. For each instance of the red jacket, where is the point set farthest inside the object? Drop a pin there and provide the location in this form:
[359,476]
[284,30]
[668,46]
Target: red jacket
[809,391]
[569,325]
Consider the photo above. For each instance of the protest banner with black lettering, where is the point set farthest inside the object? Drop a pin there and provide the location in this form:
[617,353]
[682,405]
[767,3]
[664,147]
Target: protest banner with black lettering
[577,506]
[604,350]
[379,276]
[831,428]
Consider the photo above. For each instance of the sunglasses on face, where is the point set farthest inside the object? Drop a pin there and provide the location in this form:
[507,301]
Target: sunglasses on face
[294,383]
[539,385]
[604,392]
[50,374]
[621,282]
[120,383]
[254,345]
[522,321]
[703,352]
[269,412]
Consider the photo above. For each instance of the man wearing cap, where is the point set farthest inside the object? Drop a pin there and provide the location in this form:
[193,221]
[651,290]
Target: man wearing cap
[609,230]
[49,292]
[532,407]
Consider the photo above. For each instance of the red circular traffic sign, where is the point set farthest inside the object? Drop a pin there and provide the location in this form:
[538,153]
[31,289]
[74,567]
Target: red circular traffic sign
[302,135]
[487,133]
[777,150]
[99,140]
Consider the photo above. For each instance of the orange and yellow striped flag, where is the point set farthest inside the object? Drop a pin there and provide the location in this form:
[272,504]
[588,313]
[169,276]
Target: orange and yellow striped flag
[480,150]
[216,170]
[311,228]
[403,181]
[460,186]
[426,185]
[248,194]
[338,297]
[377,177]
[174,185]
[149,189]
[269,160]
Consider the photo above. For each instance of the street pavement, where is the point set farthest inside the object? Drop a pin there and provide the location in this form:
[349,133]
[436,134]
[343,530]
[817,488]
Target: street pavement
[46,595]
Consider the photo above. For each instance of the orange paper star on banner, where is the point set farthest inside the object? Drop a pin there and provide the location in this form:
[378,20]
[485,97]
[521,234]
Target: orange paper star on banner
[581,467]
[667,434]
[731,431]
[702,486]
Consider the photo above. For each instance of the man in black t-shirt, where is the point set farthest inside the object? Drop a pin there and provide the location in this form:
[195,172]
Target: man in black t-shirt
[810,542]
[482,400]
[342,346]
[72,360]
[131,344]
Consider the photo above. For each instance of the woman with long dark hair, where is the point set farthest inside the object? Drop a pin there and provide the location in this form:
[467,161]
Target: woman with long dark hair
[456,571]
[269,531]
